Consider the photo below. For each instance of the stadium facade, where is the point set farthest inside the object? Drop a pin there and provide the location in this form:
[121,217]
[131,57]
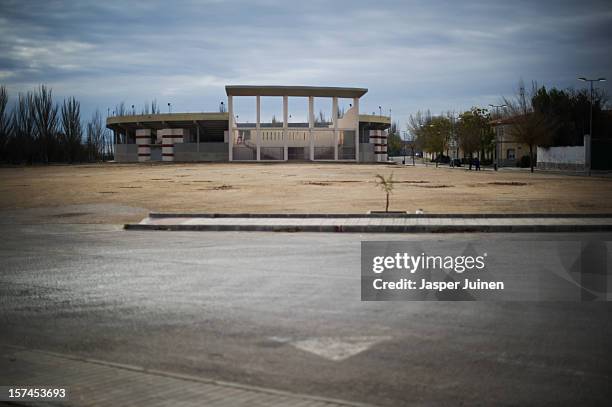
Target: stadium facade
[313,124]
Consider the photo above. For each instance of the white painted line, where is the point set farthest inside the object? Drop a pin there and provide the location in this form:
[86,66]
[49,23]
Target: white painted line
[335,348]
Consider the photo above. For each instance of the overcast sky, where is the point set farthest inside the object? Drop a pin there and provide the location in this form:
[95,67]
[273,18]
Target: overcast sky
[411,55]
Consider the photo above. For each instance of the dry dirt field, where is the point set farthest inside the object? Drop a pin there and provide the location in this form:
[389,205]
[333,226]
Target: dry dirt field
[116,193]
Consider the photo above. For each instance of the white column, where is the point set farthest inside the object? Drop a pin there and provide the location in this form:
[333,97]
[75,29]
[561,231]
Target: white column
[335,123]
[285,125]
[310,126]
[257,126]
[356,107]
[230,139]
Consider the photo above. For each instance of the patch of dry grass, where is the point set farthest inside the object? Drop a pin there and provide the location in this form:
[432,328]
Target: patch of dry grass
[300,188]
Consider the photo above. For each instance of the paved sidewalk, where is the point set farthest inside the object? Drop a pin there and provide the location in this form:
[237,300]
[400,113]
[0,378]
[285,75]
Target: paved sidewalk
[375,224]
[98,383]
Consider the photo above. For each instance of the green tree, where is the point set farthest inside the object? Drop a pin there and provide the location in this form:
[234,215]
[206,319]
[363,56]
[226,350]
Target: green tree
[474,133]
[394,141]
[568,111]
[435,136]
[485,131]
[416,125]
[468,133]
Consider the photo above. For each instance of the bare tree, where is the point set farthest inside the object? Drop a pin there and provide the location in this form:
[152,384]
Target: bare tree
[121,110]
[5,124]
[410,144]
[96,138]
[45,120]
[151,108]
[154,107]
[71,127]
[320,118]
[528,125]
[24,129]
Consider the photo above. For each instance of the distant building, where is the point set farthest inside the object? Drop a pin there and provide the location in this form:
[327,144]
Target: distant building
[509,151]
[300,132]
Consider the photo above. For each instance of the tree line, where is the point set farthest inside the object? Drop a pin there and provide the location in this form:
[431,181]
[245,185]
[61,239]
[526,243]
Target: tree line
[39,130]
[539,117]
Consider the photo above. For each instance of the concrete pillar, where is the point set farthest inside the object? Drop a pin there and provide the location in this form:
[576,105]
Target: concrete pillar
[310,126]
[170,137]
[257,127]
[379,139]
[167,144]
[230,139]
[384,134]
[143,140]
[356,107]
[335,124]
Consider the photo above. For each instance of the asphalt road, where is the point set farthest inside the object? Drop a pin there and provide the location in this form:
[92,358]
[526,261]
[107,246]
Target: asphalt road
[283,310]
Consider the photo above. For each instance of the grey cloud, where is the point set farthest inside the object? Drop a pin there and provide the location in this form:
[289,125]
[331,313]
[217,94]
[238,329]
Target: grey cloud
[410,54]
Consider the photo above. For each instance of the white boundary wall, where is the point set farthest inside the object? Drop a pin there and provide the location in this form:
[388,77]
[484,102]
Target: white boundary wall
[562,158]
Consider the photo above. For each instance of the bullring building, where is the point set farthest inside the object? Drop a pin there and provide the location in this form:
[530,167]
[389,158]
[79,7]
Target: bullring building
[259,123]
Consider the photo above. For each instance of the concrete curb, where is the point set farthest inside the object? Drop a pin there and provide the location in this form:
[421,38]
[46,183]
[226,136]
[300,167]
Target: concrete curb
[380,215]
[378,228]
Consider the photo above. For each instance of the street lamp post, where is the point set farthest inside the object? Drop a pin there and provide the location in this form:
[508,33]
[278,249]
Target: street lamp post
[169,107]
[497,146]
[583,79]
[453,142]
[412,145]
[404,145]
